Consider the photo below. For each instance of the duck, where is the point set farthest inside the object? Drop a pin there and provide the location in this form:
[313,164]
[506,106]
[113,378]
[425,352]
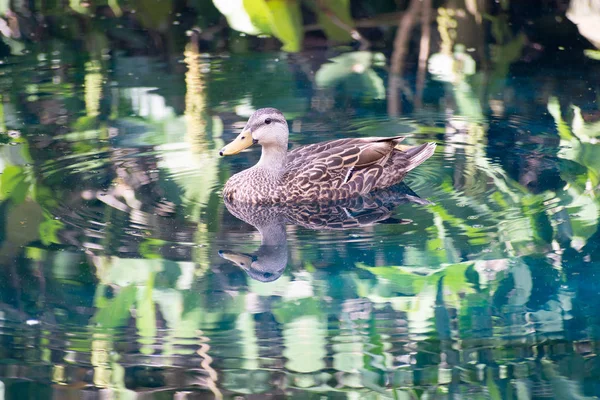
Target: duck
[316,173]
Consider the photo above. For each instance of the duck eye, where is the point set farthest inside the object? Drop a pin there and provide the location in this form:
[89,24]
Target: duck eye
[268,121]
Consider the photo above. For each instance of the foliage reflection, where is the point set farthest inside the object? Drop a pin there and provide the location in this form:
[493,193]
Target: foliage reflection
[484,287]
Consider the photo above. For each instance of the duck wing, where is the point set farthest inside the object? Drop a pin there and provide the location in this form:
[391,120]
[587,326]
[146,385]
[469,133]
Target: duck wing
[403,160]
[336,169]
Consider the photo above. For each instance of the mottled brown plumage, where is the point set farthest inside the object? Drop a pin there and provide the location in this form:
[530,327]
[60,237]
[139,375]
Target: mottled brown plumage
[321,172]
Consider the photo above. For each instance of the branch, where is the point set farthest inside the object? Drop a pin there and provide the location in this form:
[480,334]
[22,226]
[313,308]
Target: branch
[397,62]
[423,49]
[364,43]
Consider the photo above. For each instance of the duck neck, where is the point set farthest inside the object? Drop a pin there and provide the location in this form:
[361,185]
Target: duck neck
[273,158]
[273,235]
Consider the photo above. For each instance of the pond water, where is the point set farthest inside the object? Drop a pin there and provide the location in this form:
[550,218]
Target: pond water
[125,275]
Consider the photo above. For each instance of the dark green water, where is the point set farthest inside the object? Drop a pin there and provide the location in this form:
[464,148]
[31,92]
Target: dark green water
[484,286]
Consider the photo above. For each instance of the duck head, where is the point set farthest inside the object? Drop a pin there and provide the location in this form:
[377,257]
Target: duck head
[267,127]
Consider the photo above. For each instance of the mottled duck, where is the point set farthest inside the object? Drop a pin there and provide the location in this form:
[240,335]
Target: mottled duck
[316,173]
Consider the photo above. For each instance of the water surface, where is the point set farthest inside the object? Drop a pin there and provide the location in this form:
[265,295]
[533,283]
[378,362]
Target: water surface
[476,278]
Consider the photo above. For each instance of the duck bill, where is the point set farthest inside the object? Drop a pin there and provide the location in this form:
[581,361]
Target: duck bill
[241,142]
[240,259]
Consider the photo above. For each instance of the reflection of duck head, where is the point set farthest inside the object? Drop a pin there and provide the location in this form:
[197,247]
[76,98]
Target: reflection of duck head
[269,261]
[265,265]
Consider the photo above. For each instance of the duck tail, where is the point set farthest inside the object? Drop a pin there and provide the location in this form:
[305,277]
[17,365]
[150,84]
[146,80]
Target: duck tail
[416,155]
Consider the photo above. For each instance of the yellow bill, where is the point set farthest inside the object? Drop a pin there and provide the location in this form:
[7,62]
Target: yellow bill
[240,259]
[241,142]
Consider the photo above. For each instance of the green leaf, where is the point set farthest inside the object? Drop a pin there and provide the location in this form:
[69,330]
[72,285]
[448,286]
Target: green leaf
[403,282]
[259,15]
[281,18]
[150,248]
[13,184]
[146,317]
[288,311]
[17,47]
[114,313]
[286,23]
[353,72]
[456,278]
[238,14]
[48,230]
[593,54]
[331,14]
[44,196]
[493,389]
[4,6]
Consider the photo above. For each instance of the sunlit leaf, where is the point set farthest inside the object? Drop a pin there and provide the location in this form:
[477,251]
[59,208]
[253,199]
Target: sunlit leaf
[259,15]
[146,316]
[493,389]
[150,248]
[4,6]
[353,72]
[593,54]
[288,311]
[44,196]
[412,281]
[286,23]
[238,14]
[404,282]
[456,277]
[17,47]
[48,231]
[582,212]
[115,312]
[13,184]
[563,128]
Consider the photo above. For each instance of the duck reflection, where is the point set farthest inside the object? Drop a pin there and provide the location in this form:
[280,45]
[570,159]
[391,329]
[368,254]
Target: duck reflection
[268,263]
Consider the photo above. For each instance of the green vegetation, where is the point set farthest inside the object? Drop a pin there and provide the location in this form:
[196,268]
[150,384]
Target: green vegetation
[112,218]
